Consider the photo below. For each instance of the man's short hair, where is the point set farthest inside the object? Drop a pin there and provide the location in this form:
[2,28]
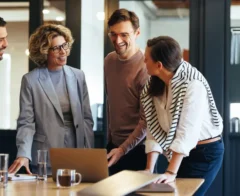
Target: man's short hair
[2,22]
[122,15]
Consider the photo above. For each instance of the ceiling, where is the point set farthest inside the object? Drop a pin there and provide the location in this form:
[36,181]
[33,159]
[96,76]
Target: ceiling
[180,8]
[156,9]
[19,11]
[174,4]
[171,4]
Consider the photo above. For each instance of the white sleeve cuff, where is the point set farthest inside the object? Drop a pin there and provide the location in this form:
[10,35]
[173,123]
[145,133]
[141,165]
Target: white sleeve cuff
[180,148]
[152,145]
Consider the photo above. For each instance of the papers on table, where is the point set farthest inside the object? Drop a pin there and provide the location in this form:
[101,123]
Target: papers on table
[15,177]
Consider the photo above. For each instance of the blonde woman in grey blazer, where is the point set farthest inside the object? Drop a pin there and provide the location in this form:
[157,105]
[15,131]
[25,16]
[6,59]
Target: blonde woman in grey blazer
[54,104]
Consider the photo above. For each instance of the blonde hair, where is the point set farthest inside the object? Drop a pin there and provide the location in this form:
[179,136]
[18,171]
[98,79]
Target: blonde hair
[40,42]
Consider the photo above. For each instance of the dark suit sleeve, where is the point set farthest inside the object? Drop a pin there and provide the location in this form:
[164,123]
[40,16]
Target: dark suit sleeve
[88,120]
[25,122]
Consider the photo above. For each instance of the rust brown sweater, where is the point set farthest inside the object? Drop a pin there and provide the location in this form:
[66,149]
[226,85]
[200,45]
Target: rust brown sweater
[124,80]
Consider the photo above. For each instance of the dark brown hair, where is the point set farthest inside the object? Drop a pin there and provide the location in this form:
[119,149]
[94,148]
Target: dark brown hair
[2,22]
[122,15]
[166,50]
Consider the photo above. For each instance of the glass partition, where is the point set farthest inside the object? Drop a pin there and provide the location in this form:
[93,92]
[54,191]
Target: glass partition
[54,12]
[92,55]
[234,69]
[161,18]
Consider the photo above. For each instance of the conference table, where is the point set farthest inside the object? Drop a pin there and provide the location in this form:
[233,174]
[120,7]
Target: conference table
[184,187]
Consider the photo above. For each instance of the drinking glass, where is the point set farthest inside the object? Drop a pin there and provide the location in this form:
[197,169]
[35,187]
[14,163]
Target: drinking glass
[42,165]
[3,170]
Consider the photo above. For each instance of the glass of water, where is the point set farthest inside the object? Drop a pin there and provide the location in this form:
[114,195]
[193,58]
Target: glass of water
[3,170]
[42,165]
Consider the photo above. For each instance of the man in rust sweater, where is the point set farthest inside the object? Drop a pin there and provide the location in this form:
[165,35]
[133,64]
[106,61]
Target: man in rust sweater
[125,75]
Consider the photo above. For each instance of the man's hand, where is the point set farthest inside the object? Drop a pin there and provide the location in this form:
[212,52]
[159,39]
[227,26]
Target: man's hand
[18,163]
[114,155]
[166,178]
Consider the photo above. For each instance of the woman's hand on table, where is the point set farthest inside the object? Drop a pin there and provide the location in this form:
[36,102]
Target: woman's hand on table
[18,163]
[166,178]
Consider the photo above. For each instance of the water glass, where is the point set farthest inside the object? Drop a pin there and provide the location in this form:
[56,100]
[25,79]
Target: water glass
[42,165]
[3,170]
[67,177]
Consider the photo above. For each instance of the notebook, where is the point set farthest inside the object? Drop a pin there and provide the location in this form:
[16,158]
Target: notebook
[157,188]
[91,163]
[119,184]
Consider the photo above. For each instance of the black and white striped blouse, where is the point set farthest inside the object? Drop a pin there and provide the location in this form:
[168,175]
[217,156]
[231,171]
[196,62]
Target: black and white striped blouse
[179,84]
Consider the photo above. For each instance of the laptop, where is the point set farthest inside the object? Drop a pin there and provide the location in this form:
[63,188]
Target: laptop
[156,188]
[119,184]
[91,163]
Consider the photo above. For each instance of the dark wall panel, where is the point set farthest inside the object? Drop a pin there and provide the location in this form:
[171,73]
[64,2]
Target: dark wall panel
[73,22]
[209,49]
[35,20]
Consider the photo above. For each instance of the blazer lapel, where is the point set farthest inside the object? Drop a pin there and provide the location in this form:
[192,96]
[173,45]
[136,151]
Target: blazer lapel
[46,83]
[72,87]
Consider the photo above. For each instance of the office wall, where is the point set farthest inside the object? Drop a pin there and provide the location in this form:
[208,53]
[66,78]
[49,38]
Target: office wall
[145,23]
[92,48]
[92,53]
[177,28]
[152,26]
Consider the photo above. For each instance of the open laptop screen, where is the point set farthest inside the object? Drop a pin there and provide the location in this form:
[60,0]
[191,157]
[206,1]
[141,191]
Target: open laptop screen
[90,163]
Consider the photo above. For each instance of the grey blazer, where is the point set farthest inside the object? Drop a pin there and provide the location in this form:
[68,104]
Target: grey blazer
[40,124]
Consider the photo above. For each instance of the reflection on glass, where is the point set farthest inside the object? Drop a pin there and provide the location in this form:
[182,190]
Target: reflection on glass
[234,110]
[92,54]
[234,117]
[235,33]
[54,12]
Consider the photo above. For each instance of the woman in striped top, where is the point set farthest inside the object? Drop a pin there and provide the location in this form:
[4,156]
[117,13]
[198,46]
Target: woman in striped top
[182,118]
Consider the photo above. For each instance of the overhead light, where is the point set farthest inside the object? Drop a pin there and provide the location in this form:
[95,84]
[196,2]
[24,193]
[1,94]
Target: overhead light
[45,11]
[59,18]
[27,52]
[100,15]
